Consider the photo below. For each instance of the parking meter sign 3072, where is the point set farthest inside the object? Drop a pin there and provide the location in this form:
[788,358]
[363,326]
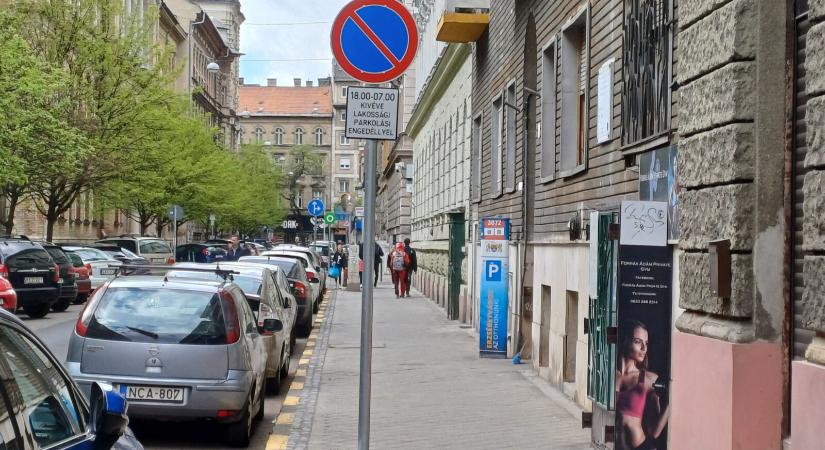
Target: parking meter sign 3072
[372,113]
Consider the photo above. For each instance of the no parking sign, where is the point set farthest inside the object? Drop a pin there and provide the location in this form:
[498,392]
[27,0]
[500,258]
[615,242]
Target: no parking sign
[374,40]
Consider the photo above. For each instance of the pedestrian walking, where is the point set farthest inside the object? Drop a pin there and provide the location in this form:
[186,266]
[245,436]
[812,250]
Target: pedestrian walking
[398,261]
[233,249]
[413,263]
[337,261]
[379,253]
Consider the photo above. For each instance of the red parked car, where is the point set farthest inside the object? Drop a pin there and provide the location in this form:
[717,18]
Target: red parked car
[8,298]
[81,272]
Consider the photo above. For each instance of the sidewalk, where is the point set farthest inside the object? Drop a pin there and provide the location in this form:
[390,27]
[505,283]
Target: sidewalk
[429,388]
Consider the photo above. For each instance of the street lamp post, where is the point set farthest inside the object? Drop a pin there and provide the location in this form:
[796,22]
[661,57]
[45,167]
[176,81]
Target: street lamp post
[212,67]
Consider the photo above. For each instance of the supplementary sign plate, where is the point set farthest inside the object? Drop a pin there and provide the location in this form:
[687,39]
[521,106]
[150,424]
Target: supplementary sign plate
[372,113]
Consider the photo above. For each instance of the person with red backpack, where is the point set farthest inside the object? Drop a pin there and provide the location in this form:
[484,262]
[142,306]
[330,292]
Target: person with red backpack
[398,261]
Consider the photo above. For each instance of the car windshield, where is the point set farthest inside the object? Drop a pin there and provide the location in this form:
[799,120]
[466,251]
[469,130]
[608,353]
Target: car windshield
[248,284]
[31,256]
[322,249]
[154,246]
[91,254]
[76,260]
[300,258]
[290,267]
[57,255]
[158,315]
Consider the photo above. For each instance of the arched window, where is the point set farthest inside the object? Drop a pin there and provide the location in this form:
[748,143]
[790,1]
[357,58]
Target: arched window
[299,136]
[319,136]
[259,135]
[279,136]
[241,136]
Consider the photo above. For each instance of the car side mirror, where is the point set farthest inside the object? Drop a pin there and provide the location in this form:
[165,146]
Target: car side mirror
[107,417]
[273,325]
[317,269]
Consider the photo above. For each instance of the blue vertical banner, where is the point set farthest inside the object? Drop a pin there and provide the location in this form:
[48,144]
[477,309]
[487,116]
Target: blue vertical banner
[493,305]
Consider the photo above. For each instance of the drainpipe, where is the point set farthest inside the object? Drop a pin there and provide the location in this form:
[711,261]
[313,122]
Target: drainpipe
[189,63]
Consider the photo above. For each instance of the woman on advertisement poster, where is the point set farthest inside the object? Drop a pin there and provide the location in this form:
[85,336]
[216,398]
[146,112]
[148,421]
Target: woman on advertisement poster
[639,395]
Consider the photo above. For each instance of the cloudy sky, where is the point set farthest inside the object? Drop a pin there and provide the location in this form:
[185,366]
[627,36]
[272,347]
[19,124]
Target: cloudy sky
[287,42]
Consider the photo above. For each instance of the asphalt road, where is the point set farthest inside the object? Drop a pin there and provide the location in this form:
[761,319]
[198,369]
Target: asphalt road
[55,330]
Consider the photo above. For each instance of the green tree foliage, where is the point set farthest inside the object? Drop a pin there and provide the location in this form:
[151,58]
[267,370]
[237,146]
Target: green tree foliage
[301,161]
[253,200]
[36,141]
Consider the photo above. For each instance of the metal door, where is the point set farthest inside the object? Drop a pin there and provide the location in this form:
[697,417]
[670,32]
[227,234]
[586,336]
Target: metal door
[456,258]
[602,319]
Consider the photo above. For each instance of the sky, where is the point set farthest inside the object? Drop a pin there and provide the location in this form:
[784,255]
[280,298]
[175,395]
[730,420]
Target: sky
[298,41]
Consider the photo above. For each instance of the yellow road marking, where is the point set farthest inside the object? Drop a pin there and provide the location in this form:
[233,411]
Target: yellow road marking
[277,442]
[301,373]
[303,361]
[285,419]
[311,344]
[296,386]
[291,400]
[307,352]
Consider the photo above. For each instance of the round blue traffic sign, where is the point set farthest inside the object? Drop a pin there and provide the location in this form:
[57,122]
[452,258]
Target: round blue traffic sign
[316,207]
[374,40]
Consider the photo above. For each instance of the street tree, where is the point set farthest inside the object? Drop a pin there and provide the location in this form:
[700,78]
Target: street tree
[116,77]
[301,161]
[36,142]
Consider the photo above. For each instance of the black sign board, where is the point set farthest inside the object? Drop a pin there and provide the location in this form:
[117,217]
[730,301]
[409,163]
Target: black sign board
[643,353]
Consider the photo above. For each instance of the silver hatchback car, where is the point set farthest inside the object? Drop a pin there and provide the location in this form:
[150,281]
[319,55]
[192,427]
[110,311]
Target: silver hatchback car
[182,348]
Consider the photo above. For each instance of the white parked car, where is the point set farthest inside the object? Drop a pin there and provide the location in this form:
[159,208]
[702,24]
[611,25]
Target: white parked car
[101,263]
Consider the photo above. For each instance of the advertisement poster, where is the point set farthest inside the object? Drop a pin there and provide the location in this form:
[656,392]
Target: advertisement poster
[495,236]
[657,183]
[643,352]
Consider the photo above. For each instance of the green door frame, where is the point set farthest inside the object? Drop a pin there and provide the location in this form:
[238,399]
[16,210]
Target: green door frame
[454,280]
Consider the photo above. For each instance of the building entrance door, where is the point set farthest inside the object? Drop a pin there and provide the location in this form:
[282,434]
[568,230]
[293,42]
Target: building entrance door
[454,279]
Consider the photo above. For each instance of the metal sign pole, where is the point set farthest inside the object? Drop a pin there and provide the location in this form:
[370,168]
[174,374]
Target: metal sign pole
[365,386]
[175,226]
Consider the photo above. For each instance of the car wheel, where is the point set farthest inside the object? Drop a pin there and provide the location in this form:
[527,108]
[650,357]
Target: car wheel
[36,311]
[81,299]
[261,402]
[273,385]
[238,433]
[284,372]
[292,339]
[316,306]
[62,305]
[305,327]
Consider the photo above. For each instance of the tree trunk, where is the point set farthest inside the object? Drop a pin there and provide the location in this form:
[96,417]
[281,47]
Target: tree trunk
[13,198]
[50,220]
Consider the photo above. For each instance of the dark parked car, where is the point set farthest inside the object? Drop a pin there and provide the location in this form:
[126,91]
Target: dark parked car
[68,285]
[82,273]
[200,253]
[42,407]
[32,273]
[298,284]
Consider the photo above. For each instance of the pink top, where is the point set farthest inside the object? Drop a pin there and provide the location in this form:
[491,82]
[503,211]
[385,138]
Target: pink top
[631,402]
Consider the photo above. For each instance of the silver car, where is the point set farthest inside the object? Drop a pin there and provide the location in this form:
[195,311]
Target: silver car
[101,263]
[180,348]
[267,302]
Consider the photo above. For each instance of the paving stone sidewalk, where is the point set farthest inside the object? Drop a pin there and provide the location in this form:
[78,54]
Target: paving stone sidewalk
[430,390]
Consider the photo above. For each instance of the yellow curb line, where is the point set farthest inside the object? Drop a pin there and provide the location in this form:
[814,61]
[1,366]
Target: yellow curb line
[285,419]
[310,344]
[277,442]
[303,361]
[301,373]
[296,386]
[307,352]
[292,400]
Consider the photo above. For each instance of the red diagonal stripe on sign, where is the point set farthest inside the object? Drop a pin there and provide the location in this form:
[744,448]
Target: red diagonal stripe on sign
[374,39]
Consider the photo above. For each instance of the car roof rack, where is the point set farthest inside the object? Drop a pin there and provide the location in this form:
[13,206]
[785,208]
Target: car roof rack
[226,274]
[15,236]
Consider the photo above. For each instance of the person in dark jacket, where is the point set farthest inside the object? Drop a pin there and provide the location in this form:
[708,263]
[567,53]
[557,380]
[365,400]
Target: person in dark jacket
[413,263]
[234,250]
[379,253]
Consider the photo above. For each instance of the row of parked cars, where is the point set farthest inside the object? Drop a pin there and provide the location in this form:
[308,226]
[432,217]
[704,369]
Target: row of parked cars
[190,341]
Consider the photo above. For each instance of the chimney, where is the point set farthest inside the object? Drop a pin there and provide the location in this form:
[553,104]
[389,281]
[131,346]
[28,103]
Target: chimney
[324,81]
[271,82]
[297,82]
[309,83]
[240,81]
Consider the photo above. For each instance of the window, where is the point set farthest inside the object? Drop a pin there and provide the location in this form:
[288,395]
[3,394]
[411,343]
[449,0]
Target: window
[344,92]
[52,411]
[475,149]
[646,68]
[299,200]
[548,112]
[343,186]
[343,116]
[259,135]
[317,194]
[319,136]
[344,163]
[510,139]
[574,76]
[279,136]
[299,136]
[495,147]
[342,139]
